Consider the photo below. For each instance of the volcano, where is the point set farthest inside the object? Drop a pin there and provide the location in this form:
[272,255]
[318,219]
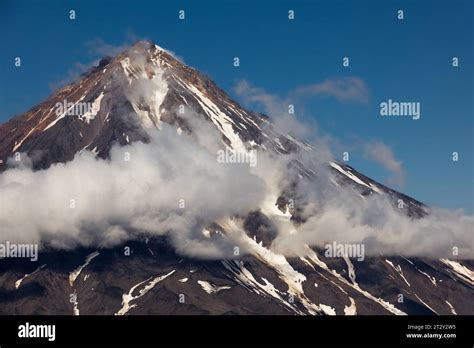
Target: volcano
[144,92]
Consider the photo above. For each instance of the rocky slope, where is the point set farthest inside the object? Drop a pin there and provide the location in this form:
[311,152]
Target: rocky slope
[142,89]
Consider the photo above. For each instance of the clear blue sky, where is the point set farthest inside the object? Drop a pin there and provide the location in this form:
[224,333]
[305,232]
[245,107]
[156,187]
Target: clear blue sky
[407,60]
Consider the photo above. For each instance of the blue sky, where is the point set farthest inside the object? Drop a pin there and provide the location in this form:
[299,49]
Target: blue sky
[407,60]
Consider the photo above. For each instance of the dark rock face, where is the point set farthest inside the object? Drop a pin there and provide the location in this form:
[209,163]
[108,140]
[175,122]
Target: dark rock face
[147,276]
[260,227]
[100,286]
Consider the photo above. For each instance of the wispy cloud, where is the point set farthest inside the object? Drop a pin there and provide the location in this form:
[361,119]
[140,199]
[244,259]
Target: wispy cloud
[274,106]
[382,154]
[344,89]
[98,47]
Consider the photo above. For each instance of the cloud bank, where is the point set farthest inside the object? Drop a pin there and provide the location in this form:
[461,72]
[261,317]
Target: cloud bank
[175,186]
[170,186]
[335,214]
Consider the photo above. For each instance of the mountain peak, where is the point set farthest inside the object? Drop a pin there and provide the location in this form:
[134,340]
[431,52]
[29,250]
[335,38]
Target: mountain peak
[118,100]
[143,44]
[147,49]
[140,89]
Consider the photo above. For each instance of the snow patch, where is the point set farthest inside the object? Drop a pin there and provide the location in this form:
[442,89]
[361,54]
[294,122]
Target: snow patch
[246,279]
[90,115]
[75,303]
[453,311]
[425,304]
[432,279]
[222,121]
[128,297]
[353,177]
[64,113]
[351,309]
[74,274]
[398,268]
[19,281]
[211,288]
[313,257]
[351,270]
[288,274]
[17,145]
[460,270]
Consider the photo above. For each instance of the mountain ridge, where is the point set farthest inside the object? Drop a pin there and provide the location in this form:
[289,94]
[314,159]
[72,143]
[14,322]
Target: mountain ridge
[145,88]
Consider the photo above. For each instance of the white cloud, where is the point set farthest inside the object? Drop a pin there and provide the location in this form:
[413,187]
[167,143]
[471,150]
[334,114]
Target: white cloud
[275,107]
[344,89]
[115,200]
[380,153]
[337,215]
